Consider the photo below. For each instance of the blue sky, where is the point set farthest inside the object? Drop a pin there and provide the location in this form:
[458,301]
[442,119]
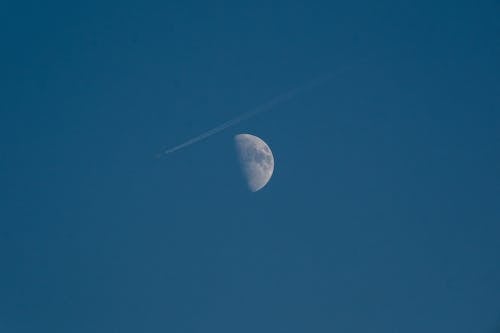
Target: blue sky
[383,211]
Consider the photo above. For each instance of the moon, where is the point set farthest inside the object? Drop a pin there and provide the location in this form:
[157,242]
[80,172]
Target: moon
[256,160]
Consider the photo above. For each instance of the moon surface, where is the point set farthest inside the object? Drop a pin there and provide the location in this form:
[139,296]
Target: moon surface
[256,160]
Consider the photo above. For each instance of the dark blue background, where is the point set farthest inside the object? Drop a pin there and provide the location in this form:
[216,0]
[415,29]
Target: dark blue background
[383,213]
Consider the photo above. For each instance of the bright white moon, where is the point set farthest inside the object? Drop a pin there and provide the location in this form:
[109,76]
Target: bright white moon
[256,160]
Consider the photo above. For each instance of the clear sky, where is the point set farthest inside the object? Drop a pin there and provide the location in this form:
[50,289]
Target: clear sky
[383,214]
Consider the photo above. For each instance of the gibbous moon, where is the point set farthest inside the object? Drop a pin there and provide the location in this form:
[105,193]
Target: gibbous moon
[256,160]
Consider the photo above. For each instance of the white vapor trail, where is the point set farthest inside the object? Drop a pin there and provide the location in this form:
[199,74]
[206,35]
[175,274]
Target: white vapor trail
[259,109]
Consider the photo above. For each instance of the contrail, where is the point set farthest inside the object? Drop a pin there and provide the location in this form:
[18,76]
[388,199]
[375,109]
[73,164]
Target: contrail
[249,114]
